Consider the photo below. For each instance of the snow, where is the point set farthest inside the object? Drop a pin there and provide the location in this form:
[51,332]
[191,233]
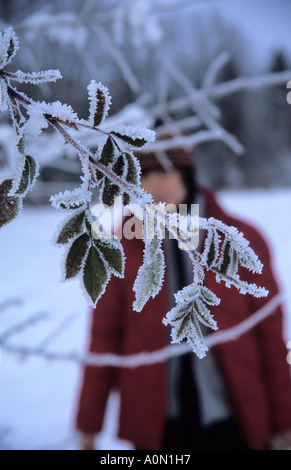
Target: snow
[38,397]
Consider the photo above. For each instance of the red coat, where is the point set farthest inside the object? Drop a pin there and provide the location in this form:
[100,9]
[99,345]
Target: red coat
[254,367]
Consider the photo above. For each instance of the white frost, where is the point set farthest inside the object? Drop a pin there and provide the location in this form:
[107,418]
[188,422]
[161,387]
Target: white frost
[71,199]
[93,88]
[37,112]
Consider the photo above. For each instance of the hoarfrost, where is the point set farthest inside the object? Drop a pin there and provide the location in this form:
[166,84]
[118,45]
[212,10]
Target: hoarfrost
[3,96]
[71,199]
[37,112]
[8,46]
[35,78]
[96,93]
[136,132]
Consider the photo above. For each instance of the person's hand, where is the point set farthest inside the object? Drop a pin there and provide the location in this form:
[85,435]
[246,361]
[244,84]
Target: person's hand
[282,441]
[87,442]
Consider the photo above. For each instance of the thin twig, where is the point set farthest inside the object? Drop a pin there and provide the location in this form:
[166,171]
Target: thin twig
[21,326]
[147,358]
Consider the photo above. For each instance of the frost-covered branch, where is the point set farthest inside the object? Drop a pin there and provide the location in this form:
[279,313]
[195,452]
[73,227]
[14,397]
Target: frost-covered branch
[114,170]
[199,103]
[154,357]
[21,326]
[224,89]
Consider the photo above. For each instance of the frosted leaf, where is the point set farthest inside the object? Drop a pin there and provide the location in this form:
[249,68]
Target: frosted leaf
[71,229]
[185,326]
[36,121]
[190,309]
[253,289]
[203,314]
[245,254]
[28,175]
[120,167]
[134,170]
[110,192]
[111,252]
[95,275]
[107,156]
[100,102]
[149,278]
[3,96]
[36,78]
[208,296]
[9,205]
[71,199]
[26,170]
[8,46]
[196,340]
[37,112]
[187,294]
[211,247]
[134,136]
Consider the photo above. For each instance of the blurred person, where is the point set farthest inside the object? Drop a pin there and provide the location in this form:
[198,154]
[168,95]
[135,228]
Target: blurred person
[236,398]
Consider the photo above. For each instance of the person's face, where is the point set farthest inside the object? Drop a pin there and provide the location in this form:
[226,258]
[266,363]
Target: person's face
[165,187]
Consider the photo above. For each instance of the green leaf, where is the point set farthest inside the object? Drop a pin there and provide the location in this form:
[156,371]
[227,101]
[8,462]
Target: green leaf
[11,48]
[181,331]
[100,108]
[135,142]
[76,256]
[113,257]
[68,206]
[21,145]
[208,296]
[9,205]
[32,168]
[157,272]
[119,166]
[110,191]
[95,274]
[132,174]
[225,257]
[25,178]
[196,339]
[233,264]
[212,248]
[204,315]
[154,245]
[107,156]
[125,199]
[28,174]
[182,310]
[72,228]
[148,281]
[88,225]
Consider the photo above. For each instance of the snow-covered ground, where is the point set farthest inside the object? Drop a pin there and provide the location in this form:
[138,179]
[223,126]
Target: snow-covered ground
[38,397]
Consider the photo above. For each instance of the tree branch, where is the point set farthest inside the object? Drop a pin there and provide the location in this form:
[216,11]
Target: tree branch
[148,358]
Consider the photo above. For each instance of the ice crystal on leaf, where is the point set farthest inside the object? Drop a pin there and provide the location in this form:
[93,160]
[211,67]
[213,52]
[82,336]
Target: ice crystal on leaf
[100,102]
[190,310]
[134,136]
[71,199]
[38,113]
[150,275]
[36,78]
[8,46]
